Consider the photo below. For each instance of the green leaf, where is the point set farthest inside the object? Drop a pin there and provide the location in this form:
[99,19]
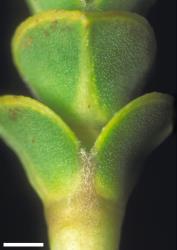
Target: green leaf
[127,139]
[47,148]
[81,64]
[98,5]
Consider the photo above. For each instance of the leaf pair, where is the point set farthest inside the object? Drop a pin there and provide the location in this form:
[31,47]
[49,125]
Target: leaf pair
[85,66]
[128,5]
[50,152]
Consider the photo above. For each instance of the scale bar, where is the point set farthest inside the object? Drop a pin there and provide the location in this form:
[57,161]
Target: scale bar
[5,244]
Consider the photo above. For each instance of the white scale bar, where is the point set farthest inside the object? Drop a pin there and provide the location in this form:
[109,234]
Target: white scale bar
[23,244]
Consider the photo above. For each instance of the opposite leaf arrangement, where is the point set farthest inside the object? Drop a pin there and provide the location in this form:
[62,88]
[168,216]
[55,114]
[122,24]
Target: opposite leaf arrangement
[88,61]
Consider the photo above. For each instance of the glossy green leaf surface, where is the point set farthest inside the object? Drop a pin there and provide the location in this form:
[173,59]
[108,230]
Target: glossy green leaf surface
[47,148]
[85,66]
[128,5]
[127,139]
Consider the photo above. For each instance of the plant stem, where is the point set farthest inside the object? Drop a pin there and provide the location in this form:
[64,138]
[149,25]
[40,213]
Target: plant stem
[84,223]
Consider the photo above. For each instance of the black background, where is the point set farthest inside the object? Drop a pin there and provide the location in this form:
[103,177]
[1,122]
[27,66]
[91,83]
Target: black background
[150,222]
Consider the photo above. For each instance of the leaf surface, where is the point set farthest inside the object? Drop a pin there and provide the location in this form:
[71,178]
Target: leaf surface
[127,139]
[47,148]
